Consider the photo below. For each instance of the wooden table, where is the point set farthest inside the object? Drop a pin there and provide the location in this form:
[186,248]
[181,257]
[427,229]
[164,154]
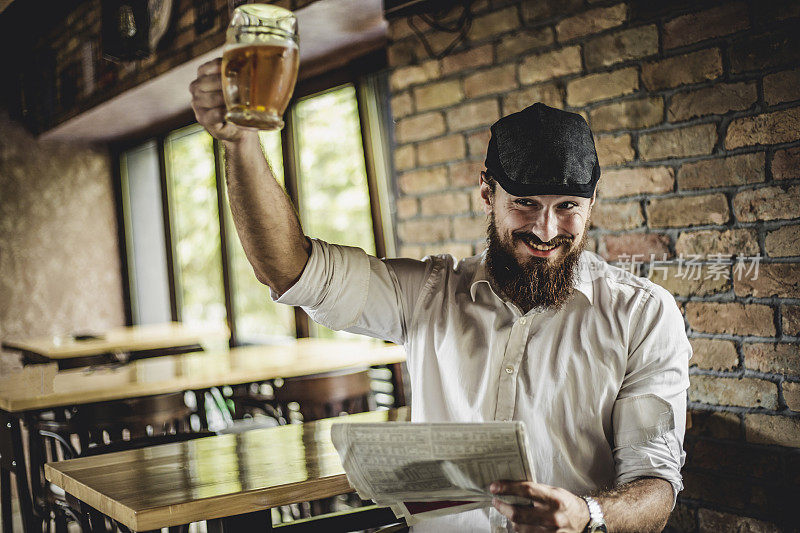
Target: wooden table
[41,387]
[122,342]
[232,480]
[45,388]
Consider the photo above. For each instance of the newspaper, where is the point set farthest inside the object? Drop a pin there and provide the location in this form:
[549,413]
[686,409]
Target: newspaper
[422,470]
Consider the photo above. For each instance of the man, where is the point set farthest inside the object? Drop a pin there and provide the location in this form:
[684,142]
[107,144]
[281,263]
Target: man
[592,358]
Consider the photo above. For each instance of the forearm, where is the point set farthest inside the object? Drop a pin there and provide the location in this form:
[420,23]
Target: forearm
[642,505]
[264,217]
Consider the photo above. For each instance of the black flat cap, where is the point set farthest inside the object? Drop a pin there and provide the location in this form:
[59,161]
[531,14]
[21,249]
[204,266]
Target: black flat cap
[543,150]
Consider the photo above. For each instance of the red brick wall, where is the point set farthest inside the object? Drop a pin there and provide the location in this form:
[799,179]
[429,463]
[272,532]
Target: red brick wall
[695,108]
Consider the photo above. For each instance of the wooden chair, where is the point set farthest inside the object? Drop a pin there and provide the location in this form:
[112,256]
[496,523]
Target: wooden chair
[325,395]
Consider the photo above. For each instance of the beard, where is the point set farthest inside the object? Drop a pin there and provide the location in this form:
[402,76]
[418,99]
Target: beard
[534,282]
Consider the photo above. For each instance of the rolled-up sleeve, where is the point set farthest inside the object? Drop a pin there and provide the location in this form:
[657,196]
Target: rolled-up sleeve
[649,415]
[343,288]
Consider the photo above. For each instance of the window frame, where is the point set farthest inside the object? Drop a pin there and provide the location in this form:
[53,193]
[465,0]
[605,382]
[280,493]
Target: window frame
[371,92]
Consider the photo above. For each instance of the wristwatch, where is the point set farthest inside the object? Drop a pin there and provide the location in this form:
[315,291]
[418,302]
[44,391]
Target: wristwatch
[596,520]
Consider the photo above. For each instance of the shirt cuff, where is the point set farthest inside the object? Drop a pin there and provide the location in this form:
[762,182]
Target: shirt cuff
[333,286]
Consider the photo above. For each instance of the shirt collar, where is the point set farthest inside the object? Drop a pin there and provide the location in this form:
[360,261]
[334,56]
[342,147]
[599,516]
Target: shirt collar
[583,277]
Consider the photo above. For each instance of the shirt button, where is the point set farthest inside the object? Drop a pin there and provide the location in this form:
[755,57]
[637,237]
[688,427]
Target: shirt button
[509,369]
[523,321]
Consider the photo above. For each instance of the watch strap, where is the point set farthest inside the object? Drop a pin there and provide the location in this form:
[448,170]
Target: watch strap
[596,519]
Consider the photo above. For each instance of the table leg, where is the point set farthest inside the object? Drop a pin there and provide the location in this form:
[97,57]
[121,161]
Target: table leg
[12,461]
[257,521]
[5,500]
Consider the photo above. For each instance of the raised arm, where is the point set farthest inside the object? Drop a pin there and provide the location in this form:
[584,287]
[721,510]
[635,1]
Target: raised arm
[265,219]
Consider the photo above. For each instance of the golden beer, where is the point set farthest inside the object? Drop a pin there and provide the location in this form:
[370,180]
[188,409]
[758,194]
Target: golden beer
[259,66]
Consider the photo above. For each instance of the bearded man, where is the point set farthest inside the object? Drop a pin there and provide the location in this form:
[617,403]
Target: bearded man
[593,359]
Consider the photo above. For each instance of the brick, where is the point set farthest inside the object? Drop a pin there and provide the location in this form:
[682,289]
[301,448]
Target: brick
[742,392]
[402,105]
[399,28]
[533,10]
[404,158]
[523,41]
[495,80]
[773,279]
[717,489]
[469,228]
[791,394]
[696,27]
[713,354]
[763,51]
[478,142]
[407,207]
[431,179]
[774,10]
[782,87]
[682,518]
[420,127]
[731,318]
[767,203]
[405,76]
[634,43]
[769,128]
[716,521]
[411,250]
[682,70]
[547,93]
[774,358]
[729,242]
[435,95]
[422,231]
[613,149]
[494,23]
[449,203]
[617,215]
[791,320]
[476,57]
[688,211]
[722,172]
[633,181]
[783,242]
[592,21]
[472,115]
[641,246]
[596,87]
[466,174]
[441,150]
[628,114]
[690,281]
[716,100]
[714,424]
[549,65]
[681,142]
[786,164]
[768,429]
[456,249]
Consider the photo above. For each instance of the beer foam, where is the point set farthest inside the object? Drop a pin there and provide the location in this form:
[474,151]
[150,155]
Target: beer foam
[250,39]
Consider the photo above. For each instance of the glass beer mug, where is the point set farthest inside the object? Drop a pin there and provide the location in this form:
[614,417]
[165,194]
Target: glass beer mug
[259,65]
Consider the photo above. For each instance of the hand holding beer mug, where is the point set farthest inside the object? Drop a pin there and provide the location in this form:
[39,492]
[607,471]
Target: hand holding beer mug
[259,65]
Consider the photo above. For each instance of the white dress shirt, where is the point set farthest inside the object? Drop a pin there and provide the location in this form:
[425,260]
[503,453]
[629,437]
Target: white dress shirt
[600,384]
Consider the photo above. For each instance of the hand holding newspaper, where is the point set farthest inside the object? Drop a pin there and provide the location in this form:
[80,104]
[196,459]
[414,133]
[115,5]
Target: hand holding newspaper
[422,470]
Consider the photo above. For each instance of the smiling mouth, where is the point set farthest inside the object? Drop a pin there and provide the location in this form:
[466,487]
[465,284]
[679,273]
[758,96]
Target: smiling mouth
[540,246]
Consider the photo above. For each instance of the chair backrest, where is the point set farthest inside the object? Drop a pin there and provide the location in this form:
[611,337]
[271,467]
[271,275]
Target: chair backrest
[326,395]
[107,422]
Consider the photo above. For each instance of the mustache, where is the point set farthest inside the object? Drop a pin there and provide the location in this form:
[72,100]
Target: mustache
[530,237]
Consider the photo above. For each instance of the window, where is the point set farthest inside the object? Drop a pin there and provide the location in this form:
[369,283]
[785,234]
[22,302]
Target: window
[184,258]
